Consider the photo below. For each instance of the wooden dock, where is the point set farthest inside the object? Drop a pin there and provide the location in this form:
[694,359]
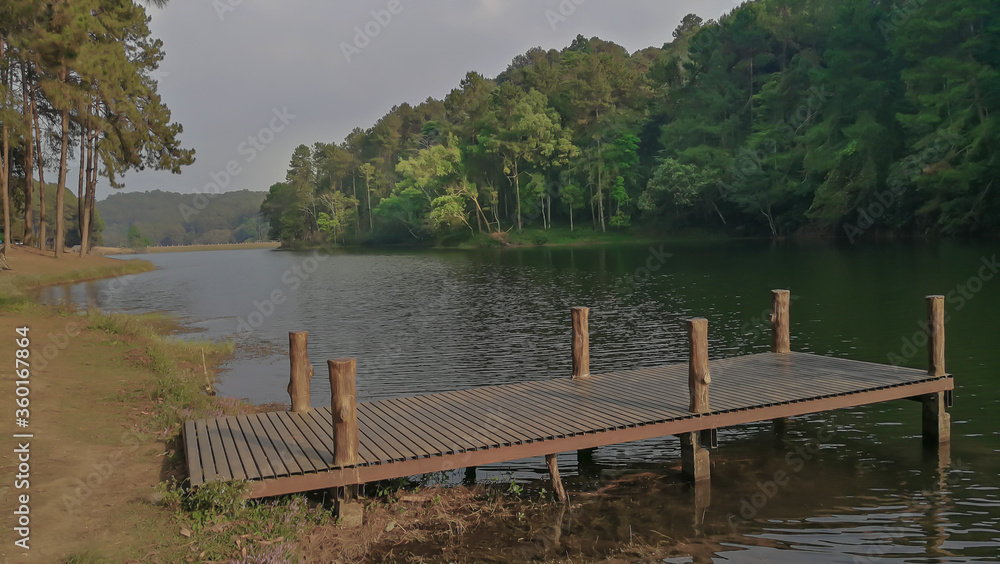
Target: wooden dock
[310,449]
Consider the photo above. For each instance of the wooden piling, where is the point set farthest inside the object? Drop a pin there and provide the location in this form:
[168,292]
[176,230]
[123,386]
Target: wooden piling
[935,417]
[694,458]
[343,406]
[698,375]
[780,333]
[781,341]
[581,343]
[557,485]
[935,335]
[695,463]
[301,371]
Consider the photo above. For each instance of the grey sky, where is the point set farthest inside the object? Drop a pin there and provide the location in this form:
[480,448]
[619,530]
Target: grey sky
[230,64]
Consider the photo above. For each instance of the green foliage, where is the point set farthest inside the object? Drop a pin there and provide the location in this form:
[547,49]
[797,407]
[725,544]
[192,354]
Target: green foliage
[263,530]
[782,116]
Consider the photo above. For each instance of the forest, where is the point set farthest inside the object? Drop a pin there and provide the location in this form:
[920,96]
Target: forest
[143,219]
[830,118]
[77,81]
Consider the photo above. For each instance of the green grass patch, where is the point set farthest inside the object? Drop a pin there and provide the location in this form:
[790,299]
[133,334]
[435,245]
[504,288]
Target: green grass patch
[181,384]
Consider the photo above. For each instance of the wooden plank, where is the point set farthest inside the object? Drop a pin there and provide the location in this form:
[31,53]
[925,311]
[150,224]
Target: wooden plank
[306,456]
[191,455]
[495,413]
[466,426]
[322,442]
[423,422]
[513,403]
[387,434]
[205,451]
[242,448]
[229,446]
[447,426]
[482,413]
[511,427]
[218,451]
[269,448]
[260,460]
[403,429]
[287,442]
[320,446]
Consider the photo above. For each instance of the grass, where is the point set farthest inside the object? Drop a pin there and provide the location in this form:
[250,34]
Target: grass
[182,386]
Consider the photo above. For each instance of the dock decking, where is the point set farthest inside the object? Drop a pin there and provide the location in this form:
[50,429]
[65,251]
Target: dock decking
[285,452]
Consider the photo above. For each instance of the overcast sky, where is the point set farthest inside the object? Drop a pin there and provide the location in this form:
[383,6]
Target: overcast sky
[236,67]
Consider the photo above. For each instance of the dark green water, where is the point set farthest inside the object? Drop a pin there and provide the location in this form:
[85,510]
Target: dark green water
[428,321]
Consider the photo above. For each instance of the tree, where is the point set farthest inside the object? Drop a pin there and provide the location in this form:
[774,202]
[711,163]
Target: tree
[524,131]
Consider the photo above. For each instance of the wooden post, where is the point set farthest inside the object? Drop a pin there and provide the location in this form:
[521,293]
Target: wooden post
[343,407]
[936,419]
[694,458]
[935,335]
[344,410]
[781,341]
[301,371]
[779,321]
[695,464]
[581,343]
[698,375]
[557,485]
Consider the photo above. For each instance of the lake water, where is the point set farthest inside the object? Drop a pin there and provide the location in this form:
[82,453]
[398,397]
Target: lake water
[429,321]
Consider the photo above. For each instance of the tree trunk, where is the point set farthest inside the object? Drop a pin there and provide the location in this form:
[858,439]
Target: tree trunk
[60,239]
[600,186]
[83,171]
[29,162]
[357,216]
[5,165]
[84,202]
[571,219]
[517,194]
[42,230]
[4,185]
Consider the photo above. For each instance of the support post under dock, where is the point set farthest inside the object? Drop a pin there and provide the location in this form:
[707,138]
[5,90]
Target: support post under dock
[694,458]
[346,438]
[936,419]
[557,485]
[781,340]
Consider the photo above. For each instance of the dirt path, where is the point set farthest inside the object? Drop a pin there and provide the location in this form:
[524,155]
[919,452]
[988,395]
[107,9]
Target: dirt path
[91,476]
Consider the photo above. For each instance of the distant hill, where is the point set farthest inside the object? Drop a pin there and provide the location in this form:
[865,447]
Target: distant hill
[169,218]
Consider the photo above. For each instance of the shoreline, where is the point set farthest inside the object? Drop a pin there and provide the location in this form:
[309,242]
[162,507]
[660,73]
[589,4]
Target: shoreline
[109,393]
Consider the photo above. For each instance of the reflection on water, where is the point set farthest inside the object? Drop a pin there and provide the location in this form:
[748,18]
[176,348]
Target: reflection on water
[427,321]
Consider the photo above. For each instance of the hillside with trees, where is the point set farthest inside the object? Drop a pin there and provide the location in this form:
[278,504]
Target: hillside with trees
[77,81]
[784,117]
[166,218]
